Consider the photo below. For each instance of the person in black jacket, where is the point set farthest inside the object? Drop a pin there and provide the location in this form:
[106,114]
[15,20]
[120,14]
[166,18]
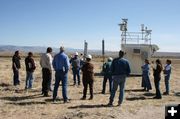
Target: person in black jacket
[30,67]
[16,66]
[88,77]
[157,77]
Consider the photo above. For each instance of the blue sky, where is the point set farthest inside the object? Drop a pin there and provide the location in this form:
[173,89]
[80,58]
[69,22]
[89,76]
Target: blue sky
[70,22]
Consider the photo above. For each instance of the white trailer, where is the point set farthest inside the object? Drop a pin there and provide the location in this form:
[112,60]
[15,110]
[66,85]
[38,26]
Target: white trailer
[137,46]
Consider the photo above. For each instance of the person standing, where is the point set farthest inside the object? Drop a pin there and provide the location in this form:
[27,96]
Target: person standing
[157,78]
[167,73]
[30,67]
[88,77]
[145,76]
[46,64]
[61,66]
[120,70]
[16,66]
[75,62]
[107,75]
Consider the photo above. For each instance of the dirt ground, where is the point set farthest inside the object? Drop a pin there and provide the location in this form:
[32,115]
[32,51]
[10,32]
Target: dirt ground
[15,102]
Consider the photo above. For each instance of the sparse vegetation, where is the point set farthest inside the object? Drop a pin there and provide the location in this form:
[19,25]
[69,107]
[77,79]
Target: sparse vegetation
[15,102]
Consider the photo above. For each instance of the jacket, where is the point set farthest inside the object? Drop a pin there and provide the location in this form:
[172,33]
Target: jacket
[30,64]
[88,71]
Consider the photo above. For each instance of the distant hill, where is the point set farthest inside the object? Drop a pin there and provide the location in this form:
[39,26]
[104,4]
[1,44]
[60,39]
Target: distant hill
[37,49]
[167,54]
[40,49]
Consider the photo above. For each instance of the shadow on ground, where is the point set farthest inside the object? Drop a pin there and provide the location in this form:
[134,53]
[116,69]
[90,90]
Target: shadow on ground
[148,94]
[4,85]
[134,90]
[177,94]
[88,106]
[15,99]
[26,103]
[136,98]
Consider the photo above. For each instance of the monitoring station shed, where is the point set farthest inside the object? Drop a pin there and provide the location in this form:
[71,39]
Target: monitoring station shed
[137,46]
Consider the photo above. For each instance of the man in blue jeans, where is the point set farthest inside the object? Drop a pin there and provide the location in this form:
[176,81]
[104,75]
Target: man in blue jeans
[120,70]
[61,66]
[30,67]
[16,65]
[167,73]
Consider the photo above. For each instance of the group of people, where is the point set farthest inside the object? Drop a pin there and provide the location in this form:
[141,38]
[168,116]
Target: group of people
[157,69]
[115,70]
[61,65]
[30,67]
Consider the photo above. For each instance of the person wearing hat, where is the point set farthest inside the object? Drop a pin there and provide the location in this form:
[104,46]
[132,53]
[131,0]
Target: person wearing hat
[61,66]
[16,65]
[75,62]
[107,75]
[88,77]
[120,70]
[30,67]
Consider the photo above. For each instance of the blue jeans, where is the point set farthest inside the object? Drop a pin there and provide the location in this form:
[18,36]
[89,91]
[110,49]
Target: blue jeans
[29,79]
[118,80]
[167,78]
[16,77]
[76,72]
[104,83]
[60,76]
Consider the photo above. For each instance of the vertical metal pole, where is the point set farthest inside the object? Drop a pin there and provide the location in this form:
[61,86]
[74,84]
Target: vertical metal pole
[103,50]
[85,49]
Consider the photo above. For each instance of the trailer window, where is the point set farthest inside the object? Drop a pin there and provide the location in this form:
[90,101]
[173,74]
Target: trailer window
[137,51]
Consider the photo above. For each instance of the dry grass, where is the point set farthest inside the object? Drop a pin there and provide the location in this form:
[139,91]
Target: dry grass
[15,102]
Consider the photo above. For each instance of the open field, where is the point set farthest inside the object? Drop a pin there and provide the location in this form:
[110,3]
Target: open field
[15,102]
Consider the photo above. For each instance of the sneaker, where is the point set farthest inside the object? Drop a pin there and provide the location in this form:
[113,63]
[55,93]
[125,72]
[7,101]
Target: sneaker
[157,97]
[54,100]
[83,98]
[165,93]
[66,101]
[119,104]
[103,92]
[90,98]
[46,95]
[110,104]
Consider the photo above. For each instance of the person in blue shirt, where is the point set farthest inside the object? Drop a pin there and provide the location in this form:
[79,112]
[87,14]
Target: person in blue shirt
[120,70]
[145,76]
[167,73]
[61,66]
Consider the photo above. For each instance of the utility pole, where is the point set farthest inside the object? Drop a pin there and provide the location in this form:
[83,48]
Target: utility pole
[103,51]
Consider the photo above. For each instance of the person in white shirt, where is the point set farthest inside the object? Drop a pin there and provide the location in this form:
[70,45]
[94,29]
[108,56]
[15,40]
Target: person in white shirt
[46,64]
[167,73]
